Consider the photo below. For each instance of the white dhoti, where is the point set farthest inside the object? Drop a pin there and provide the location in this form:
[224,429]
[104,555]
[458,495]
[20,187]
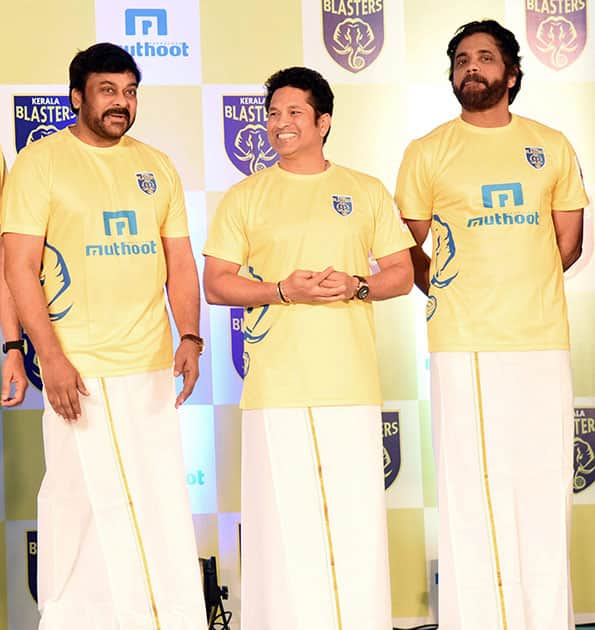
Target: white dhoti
[503,437]
[314,534]
[116,541]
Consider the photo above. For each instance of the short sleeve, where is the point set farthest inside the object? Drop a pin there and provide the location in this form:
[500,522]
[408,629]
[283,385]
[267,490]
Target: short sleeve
[569,191]
[390,233]
[226,238]
[414,190]
[26,196]
[175,223]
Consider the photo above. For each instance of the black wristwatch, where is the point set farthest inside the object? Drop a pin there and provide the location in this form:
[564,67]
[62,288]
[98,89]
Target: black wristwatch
[14,345]
[363,289]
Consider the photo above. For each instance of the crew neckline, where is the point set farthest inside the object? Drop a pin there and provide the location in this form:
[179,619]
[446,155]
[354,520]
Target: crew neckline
[293,175]
[488,130]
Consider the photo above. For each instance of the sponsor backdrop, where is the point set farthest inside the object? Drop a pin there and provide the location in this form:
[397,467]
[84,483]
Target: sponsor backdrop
[201,101]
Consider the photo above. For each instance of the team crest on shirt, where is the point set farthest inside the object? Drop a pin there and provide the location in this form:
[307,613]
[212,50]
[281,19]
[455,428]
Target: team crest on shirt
[391,446]
[535,156]
[343,204]
[147,183]
[584,448]
[31,542]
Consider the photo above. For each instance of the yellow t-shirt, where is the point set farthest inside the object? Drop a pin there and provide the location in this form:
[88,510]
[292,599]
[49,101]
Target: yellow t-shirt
[102,212]
[496,274]
[276,222]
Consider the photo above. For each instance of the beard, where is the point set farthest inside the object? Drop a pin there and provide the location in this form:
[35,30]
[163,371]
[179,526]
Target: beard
[99,125]
[479,100]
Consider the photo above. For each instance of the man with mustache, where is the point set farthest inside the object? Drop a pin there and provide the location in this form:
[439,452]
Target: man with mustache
[103,217]
[509,191]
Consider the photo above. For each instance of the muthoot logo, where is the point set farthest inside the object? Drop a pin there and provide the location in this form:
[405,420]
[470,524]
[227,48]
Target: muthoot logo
[147,35]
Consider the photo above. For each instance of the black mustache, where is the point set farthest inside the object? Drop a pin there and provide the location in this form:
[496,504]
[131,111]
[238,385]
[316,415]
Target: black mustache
[118,111]
[473,78]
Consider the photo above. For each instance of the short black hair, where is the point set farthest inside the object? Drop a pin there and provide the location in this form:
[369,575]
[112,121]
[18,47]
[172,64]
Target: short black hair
[507,45]
[320,96]
[104,57]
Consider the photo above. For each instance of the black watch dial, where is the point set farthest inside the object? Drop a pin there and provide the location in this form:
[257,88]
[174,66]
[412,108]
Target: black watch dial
[363,292]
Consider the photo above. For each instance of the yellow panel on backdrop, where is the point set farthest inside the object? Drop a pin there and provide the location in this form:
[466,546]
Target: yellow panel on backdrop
[427,454]
[247,43]
[43,37]
[228,445]
[23,463]
[170,119]
[368,131]
[407,554]
[428,29]
[3,607]
[583,557]
[581,312]
[395,323]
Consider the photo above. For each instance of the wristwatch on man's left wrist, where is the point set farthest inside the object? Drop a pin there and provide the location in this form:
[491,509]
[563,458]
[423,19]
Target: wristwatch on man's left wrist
[363,289]
[18,344]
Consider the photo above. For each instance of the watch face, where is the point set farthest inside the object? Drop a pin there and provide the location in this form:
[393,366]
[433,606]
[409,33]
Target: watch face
[363,291]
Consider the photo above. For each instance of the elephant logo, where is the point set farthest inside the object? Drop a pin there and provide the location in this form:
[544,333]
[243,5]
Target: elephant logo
[353,41]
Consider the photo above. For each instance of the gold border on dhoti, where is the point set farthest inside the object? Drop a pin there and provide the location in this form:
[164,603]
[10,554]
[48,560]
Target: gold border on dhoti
[326,520]
[131,506]
[488,495]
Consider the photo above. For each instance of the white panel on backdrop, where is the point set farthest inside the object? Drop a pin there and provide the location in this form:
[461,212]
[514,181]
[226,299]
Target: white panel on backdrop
[164,39]
[234,123]
[21,558]
[198,439]
[354,42]
[554,39]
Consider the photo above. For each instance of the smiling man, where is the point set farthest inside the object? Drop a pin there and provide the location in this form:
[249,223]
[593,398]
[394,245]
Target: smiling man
[503,197]
[314,540]
[99,218]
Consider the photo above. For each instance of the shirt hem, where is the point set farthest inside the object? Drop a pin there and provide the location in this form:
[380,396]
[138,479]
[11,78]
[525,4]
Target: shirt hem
[278,404]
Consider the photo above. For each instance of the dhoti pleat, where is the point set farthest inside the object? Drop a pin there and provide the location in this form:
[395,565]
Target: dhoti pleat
[116,541]
[503,437]
[314,534]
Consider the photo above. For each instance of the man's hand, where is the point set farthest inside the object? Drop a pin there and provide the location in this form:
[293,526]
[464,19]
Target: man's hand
[342,284]
[316,287]
[63,384]
[13,373]
[186,364]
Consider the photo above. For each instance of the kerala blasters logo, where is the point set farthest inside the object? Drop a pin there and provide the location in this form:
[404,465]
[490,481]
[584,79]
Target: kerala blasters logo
[391,446]
[584,448]
[445,251]
[36,117]
[248,326]
[147,183]
[246,141]
[556,31]
[535,156]
[343,204]
[31,542]
[353,32]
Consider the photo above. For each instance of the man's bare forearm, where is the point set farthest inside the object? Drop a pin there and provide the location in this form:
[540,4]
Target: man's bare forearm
[32,310]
